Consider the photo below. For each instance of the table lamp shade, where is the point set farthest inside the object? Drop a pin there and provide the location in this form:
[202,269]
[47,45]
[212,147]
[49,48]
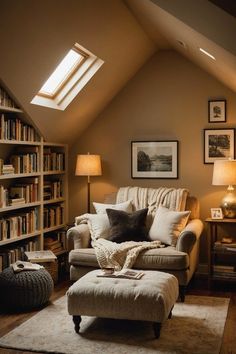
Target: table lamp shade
[88,165]
[224,174]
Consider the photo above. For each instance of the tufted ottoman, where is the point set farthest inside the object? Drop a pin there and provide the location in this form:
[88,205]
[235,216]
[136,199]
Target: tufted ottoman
[150,298]
[24,290]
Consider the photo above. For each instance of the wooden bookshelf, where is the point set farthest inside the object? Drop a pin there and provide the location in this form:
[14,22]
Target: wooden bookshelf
[56,155]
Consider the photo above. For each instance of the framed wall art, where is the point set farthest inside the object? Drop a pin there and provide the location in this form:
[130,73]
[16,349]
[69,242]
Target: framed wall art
[217,111]
[218,144]
[154,159]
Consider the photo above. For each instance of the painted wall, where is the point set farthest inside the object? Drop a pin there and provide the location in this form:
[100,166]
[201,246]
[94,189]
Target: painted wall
[167,99]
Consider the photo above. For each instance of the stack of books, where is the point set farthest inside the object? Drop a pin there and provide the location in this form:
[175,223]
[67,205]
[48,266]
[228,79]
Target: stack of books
[17,201]
[8,169]
[53,245]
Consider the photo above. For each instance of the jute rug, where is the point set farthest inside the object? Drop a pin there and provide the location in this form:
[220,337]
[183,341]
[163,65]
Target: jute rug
[196,327]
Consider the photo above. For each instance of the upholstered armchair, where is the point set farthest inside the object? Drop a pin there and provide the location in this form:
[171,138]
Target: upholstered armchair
[179,258]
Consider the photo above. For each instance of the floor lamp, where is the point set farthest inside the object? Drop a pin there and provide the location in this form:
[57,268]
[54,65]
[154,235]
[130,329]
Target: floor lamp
[88,165]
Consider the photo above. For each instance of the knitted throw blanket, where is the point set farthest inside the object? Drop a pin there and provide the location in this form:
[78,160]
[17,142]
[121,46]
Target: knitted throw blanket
[122,255]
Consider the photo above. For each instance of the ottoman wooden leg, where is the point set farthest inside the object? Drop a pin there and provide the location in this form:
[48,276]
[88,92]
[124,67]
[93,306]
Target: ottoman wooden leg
[170,314]
[157,329]
[77,320]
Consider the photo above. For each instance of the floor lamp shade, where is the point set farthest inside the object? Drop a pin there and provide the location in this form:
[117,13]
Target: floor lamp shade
[224,174]
[88,165]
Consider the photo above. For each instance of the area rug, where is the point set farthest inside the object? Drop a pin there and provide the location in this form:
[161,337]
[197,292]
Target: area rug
[196,327]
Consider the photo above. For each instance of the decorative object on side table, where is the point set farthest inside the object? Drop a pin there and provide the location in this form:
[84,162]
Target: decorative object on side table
[218,144]
[216,111]
[216,213]
[88,165]
[224,174]
[154,159]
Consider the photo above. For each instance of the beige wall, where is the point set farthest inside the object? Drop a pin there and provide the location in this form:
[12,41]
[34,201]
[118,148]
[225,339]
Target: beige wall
[167,99]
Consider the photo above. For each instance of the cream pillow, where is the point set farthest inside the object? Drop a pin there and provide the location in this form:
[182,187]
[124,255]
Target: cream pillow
[101,208]
[167,225]
[98,224]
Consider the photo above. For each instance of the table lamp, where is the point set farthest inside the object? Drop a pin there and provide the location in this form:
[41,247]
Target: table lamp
[224,174]
[88,165]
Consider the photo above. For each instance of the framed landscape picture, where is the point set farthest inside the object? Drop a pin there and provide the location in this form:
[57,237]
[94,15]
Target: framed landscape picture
[218,144]
[217,111]
[154,159]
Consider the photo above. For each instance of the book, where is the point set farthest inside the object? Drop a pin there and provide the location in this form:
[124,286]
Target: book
[124,273]
[231,249]
[41,256]
[19,266]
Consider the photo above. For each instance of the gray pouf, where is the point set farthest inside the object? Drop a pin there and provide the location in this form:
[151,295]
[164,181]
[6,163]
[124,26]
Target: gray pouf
[24,290]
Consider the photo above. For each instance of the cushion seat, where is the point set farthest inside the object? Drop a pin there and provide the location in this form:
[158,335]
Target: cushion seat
[167,258]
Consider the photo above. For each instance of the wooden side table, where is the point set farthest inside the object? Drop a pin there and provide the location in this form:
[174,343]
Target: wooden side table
[221,257]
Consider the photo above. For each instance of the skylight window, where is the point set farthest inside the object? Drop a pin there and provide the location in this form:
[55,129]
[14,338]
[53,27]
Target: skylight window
[61,73]
[68,79]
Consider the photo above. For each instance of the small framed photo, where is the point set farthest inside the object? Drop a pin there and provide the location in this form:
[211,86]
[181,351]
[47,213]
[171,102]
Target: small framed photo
[217,111]
[218,144]
[154,159]
[216,213]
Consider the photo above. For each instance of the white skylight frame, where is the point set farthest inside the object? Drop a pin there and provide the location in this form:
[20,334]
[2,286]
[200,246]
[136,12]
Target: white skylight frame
[73,81]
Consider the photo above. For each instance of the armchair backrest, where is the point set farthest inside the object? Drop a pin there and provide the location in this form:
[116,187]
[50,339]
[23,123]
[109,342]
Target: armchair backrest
[192,204]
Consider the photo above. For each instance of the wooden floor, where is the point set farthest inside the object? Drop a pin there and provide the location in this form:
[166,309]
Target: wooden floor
[197,287]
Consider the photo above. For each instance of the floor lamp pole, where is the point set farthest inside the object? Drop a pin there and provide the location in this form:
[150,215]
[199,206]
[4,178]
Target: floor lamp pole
[88,196]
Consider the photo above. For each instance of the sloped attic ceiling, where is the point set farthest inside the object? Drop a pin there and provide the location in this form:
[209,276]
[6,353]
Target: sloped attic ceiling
[36,35]
[189,25]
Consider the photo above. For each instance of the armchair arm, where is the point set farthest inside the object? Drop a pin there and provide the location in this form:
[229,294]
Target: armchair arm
[189,235]
[78,236]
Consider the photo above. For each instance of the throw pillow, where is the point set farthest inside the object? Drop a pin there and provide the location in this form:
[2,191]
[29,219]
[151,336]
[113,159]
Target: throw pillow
[98,224]
[127,226]
[100,208]
[167,225]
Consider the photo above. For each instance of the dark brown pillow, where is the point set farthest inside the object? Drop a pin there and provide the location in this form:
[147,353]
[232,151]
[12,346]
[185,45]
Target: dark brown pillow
[127,226]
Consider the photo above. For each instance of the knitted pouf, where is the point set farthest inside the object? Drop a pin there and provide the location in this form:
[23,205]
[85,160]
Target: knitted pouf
[24,290]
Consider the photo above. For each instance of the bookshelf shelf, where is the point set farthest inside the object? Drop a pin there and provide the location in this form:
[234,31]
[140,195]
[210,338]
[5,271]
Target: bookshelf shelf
[19,206]
[21,144]
[52,201]
[19,238]
[10,109]
[20,175]
[54,228]
[48,173]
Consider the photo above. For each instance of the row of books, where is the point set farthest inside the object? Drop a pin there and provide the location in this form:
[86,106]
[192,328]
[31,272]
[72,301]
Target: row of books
[222,247]
[52,190]
[19,193]
[25,163]
[53,161]
[5,99]
[20,224]
[15,129]
[56,242]
[225,271]
[53,216]
[10,256]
